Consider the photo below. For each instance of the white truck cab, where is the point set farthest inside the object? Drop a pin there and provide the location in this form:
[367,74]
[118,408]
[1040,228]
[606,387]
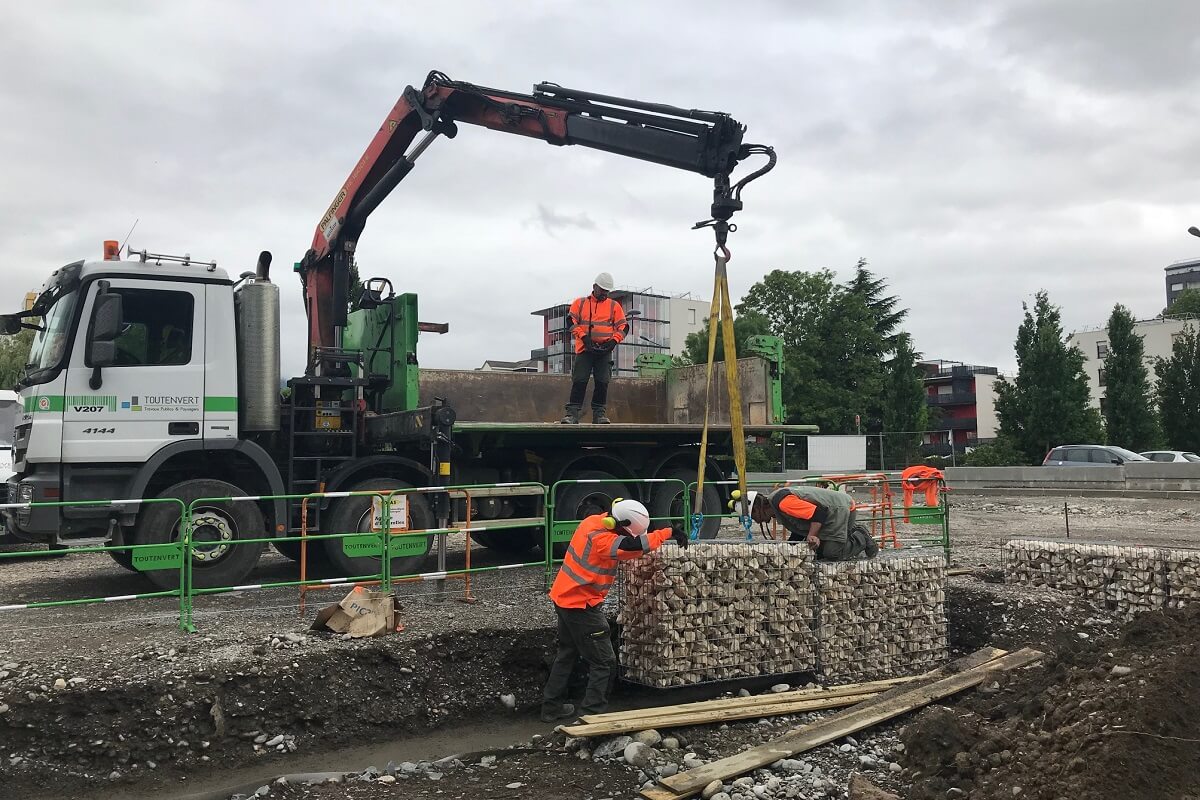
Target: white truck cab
[131,386]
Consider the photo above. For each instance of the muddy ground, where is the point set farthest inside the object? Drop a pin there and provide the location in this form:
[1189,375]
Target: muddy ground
[114,701]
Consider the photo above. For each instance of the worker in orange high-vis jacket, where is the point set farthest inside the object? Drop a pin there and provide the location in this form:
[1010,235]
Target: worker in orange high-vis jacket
[588,570]
[823,518]
[598,325]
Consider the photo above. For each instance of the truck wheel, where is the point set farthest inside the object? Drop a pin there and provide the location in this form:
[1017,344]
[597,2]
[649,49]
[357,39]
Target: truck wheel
[666,500]
[580,500]
[217,557]
[351,514]
[123,559]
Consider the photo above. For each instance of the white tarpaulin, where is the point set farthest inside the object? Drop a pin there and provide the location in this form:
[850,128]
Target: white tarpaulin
[837,453]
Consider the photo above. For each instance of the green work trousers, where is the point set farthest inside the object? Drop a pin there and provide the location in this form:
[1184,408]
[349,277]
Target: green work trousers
[583,633]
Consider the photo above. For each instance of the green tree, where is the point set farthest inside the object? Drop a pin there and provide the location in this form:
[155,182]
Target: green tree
[1179,391]
[1000,453]
[1129,414]
[832,367]
[354,292]
[1188,302]
[904,407]
[745,325]
[14,355]
[888,317]
[1047,404]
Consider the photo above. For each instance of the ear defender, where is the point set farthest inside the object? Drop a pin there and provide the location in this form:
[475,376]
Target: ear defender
[611,522]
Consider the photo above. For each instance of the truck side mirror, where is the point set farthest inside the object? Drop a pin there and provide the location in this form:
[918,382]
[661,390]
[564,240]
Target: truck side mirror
[103,330]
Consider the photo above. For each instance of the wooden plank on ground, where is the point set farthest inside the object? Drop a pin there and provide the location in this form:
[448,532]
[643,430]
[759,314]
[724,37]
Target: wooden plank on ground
[717,715]
[960,571]
[880,709]
[871,687]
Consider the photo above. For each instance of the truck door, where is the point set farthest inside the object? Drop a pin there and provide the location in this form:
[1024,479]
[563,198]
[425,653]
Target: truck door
[154,394]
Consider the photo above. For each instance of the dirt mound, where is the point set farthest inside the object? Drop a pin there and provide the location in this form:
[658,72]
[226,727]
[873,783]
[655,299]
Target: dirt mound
[59,739]
[1094,722]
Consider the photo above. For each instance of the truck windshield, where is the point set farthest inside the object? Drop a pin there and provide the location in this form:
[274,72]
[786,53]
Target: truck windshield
[50,343]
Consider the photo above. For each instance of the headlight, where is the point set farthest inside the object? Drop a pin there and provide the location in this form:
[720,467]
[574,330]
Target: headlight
[25,493]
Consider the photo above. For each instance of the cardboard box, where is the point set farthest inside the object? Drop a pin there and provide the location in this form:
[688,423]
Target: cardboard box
[361,613]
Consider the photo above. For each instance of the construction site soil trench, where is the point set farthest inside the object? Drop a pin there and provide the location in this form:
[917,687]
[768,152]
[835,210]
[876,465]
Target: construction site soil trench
[138,710]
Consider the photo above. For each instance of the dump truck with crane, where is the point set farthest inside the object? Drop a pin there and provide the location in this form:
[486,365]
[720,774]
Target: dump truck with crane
[159,376]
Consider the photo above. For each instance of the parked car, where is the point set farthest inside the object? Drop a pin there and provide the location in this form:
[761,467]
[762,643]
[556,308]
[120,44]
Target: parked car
[1084,455]
[1172,456]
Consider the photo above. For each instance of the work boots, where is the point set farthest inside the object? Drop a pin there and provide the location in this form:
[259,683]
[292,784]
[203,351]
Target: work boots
[572,415]
[599,417]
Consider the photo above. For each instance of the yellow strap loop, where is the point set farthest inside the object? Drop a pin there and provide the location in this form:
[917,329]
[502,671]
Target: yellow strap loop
[721,311]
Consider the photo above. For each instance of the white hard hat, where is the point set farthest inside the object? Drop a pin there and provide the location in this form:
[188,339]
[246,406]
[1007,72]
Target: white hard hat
[632,516]
[605,281]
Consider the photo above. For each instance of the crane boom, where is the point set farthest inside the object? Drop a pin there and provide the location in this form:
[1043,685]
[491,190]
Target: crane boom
[706,142]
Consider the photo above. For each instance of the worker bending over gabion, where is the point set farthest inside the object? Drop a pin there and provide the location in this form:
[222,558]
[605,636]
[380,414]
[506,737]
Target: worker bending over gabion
[823,518]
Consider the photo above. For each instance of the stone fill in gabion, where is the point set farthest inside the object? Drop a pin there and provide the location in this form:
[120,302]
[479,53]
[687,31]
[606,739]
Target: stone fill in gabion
[718,612]
[1127,580]
[881,618]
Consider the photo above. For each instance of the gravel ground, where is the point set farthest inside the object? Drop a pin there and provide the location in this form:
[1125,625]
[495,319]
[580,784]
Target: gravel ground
[57,664]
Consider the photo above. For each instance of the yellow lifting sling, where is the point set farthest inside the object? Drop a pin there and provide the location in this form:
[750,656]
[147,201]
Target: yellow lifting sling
[722,310]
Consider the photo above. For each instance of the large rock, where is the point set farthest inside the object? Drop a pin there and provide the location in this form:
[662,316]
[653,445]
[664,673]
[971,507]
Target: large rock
[863,789]
[639,755]
[613,748]
[650,738]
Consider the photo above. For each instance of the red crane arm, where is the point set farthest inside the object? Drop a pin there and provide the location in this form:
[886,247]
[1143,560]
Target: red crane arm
[706,142]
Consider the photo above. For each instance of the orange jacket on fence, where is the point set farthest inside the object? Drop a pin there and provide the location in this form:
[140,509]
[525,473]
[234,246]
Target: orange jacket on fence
[920,476]
[600,320]
[590,565]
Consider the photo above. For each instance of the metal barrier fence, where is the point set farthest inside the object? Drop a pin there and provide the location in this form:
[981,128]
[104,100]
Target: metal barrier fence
[389,543]
[382,541]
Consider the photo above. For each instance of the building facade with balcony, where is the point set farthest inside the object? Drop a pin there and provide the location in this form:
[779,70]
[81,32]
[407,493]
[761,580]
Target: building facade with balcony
[962,403]
[658,323]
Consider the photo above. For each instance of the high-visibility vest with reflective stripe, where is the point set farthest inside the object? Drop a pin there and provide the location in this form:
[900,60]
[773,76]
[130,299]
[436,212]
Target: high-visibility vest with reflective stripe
[839,505]
[599,320]
[589,567]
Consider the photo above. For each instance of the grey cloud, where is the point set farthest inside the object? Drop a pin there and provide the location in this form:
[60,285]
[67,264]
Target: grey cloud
[973,152]
[552,222]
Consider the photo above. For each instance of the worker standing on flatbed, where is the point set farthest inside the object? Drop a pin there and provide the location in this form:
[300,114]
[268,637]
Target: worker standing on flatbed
[588,570]
[824,518]
[597,325]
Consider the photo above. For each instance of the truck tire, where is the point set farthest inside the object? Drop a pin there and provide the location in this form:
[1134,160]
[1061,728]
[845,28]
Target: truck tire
[350,514]
[123,559]
[216,558]
[666,500]
[580,500]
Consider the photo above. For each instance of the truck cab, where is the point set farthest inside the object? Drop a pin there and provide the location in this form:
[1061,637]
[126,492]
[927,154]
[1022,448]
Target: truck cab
[132,361]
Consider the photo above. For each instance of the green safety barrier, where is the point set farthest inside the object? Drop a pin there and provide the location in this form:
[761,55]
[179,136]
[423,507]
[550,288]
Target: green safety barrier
[143,557]
[157,557]
[384,544]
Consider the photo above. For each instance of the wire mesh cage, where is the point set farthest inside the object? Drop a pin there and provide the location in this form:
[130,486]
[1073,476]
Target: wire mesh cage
[716,612]
[722,611]
[1123,579]
[882,617]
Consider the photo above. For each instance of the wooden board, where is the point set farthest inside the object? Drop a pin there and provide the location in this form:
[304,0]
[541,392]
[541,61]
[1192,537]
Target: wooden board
[871,687]
[960,675]
[716,715]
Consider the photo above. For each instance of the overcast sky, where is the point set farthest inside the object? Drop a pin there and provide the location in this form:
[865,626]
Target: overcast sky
[972,152]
